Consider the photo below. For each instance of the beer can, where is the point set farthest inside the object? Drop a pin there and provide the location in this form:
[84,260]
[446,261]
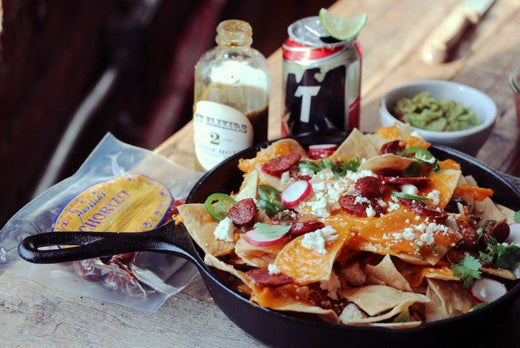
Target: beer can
[321,79]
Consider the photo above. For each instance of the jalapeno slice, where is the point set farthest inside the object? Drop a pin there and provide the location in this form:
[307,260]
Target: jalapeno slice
[269,199]
[421,154]
[309,165]
[218,204]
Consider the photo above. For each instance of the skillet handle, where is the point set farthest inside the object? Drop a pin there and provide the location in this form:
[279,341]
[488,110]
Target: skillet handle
[55,247]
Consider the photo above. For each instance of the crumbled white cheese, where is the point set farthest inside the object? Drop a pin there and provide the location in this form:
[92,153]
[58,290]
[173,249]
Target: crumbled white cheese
[434,196]
[370,212]
[326,190]
[316,240]
[286,178]
[306,172]
[392,206]
[360,174]
[361,200]
[409,189]
[273,269]
[408,233]
[421,235]
[225,230]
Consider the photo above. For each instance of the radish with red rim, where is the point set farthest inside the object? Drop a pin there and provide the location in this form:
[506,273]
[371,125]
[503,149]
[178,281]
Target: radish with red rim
[295,193]
[514,233]
[321,150]
[487,289]
[266,235]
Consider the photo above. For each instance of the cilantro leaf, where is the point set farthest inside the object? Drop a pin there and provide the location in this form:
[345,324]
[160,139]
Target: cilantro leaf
[503,255]
[271,231]
[517,216]
[467,270]
[352,165]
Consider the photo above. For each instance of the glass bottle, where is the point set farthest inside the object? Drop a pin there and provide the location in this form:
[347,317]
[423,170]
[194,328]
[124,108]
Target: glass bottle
[231,99]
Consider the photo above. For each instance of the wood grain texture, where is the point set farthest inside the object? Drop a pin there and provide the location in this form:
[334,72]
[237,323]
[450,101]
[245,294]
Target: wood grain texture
[34,316]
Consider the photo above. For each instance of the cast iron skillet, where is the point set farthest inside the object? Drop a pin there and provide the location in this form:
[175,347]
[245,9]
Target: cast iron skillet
[272,327]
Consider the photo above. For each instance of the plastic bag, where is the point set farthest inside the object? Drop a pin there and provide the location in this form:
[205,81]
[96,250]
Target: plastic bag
[156,276]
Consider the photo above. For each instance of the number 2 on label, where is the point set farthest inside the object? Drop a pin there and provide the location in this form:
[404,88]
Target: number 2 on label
[214,138]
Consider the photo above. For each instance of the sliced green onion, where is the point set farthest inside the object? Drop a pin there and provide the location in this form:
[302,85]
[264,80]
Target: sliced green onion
[409,196]
[218,204]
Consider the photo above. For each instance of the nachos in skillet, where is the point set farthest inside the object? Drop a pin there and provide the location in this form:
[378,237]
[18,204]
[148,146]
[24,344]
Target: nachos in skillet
[375,231]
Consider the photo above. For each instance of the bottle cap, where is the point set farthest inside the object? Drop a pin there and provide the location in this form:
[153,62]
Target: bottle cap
[234,32]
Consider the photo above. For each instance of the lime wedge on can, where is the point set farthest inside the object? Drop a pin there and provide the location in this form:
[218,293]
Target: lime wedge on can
[339,28]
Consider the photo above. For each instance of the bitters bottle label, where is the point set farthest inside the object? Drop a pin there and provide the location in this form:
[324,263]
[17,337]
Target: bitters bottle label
[220,131]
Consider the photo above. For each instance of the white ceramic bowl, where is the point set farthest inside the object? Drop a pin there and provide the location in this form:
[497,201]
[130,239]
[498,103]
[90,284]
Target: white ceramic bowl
[469,141]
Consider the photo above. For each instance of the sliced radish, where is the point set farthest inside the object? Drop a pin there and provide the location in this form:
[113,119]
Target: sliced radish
[295,193]
[321,150]
[514,233]
[254,237]
[487,289]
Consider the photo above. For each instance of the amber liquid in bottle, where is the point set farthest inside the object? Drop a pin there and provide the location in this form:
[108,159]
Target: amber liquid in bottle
[232,86]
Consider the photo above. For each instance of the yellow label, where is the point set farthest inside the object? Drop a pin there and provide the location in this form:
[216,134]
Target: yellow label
[130,203]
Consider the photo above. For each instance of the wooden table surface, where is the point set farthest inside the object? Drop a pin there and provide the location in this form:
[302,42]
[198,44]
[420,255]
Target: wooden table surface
[32,315]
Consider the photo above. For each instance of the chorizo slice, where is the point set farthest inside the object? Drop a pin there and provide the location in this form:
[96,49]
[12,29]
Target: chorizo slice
[369,186]
[243,212]
[352,205]
[264,278]
[394,146]
[302,227]
[409,180]
[423,209]
[280,164]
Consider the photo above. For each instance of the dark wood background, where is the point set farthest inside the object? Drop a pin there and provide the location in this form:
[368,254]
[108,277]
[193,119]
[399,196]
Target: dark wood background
[54,51]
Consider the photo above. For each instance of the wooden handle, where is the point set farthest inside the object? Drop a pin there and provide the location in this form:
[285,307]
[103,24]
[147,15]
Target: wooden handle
[438,46]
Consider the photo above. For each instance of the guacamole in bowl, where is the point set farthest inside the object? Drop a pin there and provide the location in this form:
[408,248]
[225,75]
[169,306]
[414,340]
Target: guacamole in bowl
[426,112]
[442,112]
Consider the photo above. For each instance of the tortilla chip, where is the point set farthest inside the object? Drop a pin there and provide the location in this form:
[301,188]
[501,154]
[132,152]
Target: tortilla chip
[445,182]
[388,274]
[404,325]
[305,265]
[277,148]
[291,298]
[271,180]
[402,132]
[448,299]
[248,187]
[385,236]
[257,256]
[385,316]
[508,213]
[201,227]
[488,210]
[385,162]
[353,274]
[376,299]
[499,272]
[357,145]
[212,261]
